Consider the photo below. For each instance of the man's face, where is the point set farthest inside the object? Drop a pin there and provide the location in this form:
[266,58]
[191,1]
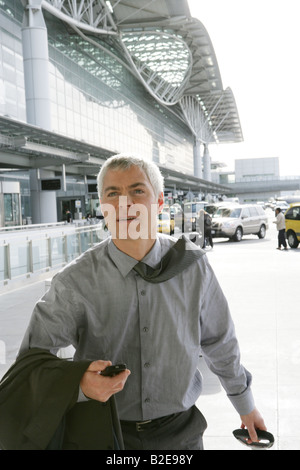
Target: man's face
[129,204]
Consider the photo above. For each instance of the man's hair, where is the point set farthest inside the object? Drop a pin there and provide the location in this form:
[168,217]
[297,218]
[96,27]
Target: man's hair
[124,162]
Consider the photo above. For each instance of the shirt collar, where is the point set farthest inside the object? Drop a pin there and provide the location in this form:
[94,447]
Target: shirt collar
[126,263]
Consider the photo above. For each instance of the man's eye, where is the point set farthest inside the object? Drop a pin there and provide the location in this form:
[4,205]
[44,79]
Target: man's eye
[138,191]
[112,194]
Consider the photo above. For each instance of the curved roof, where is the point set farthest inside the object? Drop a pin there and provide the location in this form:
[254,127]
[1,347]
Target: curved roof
[171,54]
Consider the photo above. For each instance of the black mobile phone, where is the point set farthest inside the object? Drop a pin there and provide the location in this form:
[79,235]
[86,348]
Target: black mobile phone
[111,371]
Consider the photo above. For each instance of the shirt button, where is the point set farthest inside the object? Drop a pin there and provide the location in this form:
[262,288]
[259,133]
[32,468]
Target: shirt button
[143,292]
[147,364]
[147,400]
[145,329]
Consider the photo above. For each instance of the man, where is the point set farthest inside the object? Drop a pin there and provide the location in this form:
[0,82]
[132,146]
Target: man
[110,312]
[280,224]
[207,230]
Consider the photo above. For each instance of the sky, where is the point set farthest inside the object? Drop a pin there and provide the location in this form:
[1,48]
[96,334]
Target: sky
[257,44]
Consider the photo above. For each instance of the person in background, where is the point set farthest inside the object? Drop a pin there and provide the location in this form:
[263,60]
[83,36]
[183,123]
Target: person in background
[280,224]
[69,217]
[207,230]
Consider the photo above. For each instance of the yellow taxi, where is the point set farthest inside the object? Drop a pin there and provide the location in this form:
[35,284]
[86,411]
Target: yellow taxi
[292,225]
[165,224]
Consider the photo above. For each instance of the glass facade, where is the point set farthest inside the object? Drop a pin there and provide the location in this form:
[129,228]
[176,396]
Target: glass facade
[94,97]
[25,210]
[12,93]
[11,209]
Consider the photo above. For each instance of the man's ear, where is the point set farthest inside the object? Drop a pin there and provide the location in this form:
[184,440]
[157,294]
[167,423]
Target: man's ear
[160,202]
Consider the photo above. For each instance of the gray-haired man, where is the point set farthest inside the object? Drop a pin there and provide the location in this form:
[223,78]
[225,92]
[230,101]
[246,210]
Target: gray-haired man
[109,311]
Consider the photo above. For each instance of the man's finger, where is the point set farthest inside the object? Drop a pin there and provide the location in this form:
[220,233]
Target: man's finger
[99,365]
[252,434]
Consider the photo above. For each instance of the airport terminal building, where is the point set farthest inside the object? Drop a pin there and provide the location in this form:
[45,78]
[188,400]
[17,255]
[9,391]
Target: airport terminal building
[83,80]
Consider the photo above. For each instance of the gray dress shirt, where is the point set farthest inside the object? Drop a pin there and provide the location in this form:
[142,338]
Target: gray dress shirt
[107,311]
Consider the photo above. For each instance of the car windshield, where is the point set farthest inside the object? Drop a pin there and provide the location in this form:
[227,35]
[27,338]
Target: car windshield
[190,208]
[226,212]
[211,209]
[193,206]
[163,216]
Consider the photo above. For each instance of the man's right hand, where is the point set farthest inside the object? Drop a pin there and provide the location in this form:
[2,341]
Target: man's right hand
[100,388]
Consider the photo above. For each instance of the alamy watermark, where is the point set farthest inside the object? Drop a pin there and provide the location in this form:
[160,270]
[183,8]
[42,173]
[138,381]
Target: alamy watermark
[130,221]
[138,221]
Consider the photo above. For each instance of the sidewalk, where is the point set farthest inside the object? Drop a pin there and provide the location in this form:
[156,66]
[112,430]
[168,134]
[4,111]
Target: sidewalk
[262,288]
[15,310]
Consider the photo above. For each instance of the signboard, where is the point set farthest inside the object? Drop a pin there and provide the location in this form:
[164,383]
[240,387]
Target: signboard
[51,184]
[92,188]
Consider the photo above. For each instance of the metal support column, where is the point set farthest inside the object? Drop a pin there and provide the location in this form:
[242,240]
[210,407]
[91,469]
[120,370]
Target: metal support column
[36,62]
[197,158]
[206,164]
[38,112]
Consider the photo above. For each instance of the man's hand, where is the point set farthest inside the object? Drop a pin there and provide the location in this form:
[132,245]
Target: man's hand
[101,388]
[253,421]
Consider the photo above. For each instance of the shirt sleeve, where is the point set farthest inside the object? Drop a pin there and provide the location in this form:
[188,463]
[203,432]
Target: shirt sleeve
[54,320]
[219,344]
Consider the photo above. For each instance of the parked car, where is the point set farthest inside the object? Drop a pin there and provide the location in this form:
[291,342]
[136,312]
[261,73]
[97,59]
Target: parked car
[165,224]
[191,213]
[212,207]
[234,221]
[292,225]
[262,204]
[283,205]
[175,213]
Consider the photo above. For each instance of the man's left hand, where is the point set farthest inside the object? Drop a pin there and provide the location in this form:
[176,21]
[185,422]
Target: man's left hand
[253,421]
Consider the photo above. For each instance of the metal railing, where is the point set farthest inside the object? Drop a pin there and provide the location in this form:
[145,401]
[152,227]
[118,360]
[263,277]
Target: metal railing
[15,228]
[22,256]
[48,247]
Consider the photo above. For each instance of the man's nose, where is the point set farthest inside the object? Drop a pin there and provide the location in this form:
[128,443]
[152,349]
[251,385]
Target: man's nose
[126,201]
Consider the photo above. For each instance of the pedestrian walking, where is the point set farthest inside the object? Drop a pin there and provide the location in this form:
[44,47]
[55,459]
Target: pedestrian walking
[280,224]
[152,302]
[208,240]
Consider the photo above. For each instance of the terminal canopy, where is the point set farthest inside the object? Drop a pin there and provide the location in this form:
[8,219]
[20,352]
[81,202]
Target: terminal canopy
[169,51]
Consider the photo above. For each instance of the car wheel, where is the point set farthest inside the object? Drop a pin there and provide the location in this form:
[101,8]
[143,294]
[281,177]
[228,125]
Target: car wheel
[292,239]
[238,234]
[262,232]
